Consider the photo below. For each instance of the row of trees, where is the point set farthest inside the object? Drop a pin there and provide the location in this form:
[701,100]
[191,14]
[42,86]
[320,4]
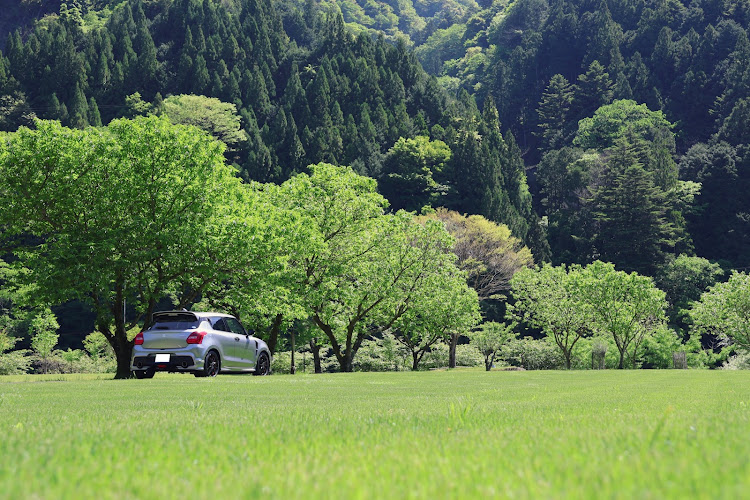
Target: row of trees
[144,209]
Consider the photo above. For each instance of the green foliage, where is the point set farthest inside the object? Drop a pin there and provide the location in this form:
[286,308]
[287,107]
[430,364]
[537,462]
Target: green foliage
[321,247]
[43,329]
[12,362]
[626,307]
[724,310]
[531,354]
[593,90]
[100,354]
[219,119]
[382,354]
[489,338]
[630,214]
[739,361]
[648,131]
[553,112]
[15,362]
[618,200]
[410,172]
[446,307]
[140,200]
[550,298]
[486,251]
[719,226]
[659,347]
[683,280]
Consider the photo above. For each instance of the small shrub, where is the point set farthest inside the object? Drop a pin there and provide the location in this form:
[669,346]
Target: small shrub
[101,356]
[15,362]
[468,355]
[282,362]
[740,361]
[436,357]
[382,355]
[12,362]
[532,354]
[658,348]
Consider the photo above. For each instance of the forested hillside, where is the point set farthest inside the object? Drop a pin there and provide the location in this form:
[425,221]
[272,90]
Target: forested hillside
[304,87]
[551,64]
[599,99]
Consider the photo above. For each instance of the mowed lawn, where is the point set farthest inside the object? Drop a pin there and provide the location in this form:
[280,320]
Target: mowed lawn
[445,434]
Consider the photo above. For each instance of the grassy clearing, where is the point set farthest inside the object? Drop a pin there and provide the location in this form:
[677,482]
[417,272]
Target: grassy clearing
[458,434]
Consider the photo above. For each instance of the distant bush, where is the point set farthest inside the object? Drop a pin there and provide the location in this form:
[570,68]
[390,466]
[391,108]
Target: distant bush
[382,355]
[740,361]
[15,362]
[532,354]
[466,355]
[12,362]
[281,362]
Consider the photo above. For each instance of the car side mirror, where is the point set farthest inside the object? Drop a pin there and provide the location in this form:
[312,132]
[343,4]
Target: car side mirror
[250,331]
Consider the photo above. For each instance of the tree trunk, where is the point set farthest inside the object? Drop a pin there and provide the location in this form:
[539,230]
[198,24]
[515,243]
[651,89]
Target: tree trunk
[273,334]
[315,349]
[487,364]
[123,350]
[452,350]
[567,359]
[415,361]
[122,346]
[347,365]
[621,365]
[291,368]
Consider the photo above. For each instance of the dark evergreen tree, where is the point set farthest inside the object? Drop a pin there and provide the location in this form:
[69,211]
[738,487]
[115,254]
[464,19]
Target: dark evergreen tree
[630,214]
[592,91]
[554,123]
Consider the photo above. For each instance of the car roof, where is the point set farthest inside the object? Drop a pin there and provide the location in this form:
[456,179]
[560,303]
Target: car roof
[198,314]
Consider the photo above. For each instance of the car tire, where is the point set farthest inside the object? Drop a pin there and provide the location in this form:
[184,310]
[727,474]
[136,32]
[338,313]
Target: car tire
[263,366]
[141,374]
[211,365]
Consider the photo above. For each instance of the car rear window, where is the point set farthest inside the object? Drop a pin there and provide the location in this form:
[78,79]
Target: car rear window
[175,321]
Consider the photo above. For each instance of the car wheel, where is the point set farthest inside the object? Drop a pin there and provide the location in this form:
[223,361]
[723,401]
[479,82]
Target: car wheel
[263,366]
[141,374]
[211,365]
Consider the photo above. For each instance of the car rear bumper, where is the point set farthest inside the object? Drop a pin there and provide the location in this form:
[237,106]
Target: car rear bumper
[186,360]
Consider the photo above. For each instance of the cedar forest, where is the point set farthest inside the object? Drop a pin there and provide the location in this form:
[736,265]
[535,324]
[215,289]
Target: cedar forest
[611,130]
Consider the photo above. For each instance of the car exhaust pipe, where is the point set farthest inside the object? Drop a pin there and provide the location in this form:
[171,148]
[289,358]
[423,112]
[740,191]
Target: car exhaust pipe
[184,364]
[140,364]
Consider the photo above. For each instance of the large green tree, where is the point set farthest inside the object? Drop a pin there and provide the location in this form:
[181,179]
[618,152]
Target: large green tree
[129,213]
[549,298]
[487,251]
[217,118]
[629,211]
[626,307]
[445,308]
[489,254]
[683,280]
[370,268]
[648,131]
[724,310]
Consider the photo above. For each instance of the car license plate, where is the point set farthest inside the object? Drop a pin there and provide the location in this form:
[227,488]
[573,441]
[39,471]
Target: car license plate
[162,358]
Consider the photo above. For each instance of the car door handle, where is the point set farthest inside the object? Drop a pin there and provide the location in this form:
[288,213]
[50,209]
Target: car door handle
[236,339]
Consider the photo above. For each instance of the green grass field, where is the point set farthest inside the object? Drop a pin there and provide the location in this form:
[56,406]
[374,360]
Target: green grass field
[458,434]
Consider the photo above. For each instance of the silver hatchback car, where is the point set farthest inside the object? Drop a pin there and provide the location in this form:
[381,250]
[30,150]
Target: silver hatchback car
[202,343]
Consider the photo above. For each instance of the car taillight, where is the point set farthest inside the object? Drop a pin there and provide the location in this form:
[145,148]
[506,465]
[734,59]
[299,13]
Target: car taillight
[138,339]
[196,338]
